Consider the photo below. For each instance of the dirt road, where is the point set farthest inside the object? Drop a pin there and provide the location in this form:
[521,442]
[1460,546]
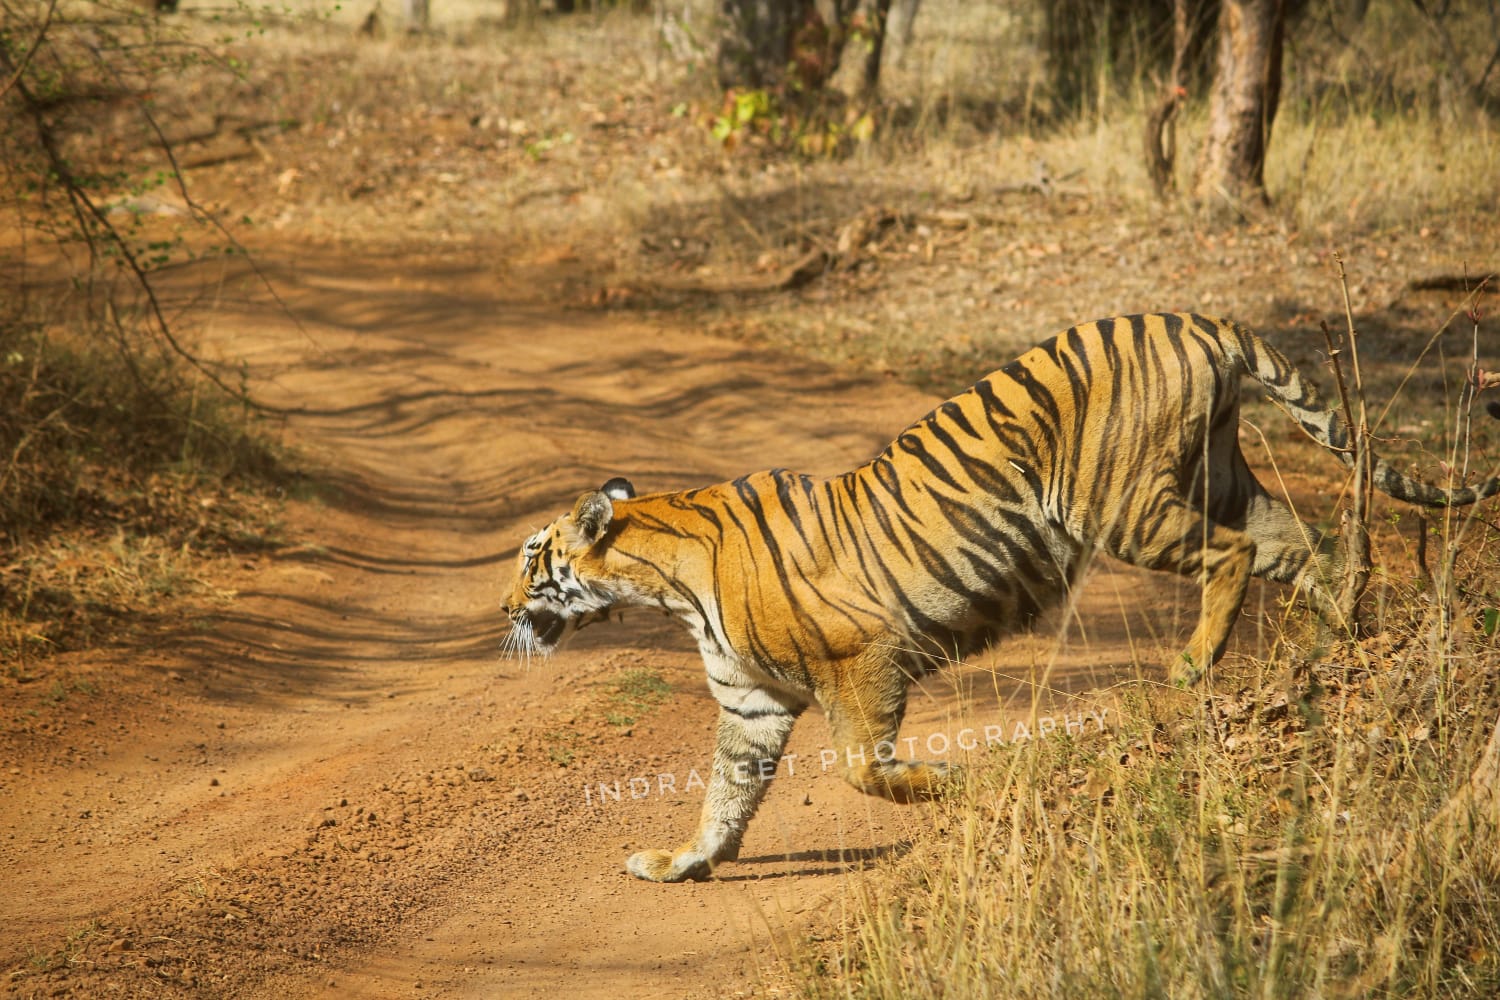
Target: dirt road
[329,783]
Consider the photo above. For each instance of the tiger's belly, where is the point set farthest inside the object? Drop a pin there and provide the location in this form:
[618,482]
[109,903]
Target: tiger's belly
[941,603]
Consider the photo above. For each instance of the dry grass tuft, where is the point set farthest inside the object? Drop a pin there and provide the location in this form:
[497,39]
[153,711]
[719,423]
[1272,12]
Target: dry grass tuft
[1268,840]
[119,473]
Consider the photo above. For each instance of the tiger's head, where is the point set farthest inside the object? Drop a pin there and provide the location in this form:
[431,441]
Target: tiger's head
[551,598]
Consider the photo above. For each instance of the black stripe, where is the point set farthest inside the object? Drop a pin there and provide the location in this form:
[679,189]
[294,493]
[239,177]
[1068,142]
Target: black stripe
[954,412]
[913,445]
[757,713]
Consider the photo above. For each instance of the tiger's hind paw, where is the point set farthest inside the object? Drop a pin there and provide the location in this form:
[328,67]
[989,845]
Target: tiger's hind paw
[665,866]
[1184,672]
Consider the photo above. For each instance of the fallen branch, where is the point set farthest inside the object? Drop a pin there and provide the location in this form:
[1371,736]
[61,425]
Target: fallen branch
[214,158]
[804,271]
[852,238]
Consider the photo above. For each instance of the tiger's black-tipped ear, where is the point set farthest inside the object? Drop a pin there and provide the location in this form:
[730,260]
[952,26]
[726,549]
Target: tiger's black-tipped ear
[591,516]
[618,488]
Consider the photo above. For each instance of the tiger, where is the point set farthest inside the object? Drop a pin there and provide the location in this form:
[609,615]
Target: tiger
[1119,435]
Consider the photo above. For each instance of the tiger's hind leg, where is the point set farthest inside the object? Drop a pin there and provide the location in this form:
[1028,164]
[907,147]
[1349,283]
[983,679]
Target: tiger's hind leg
[865,714]
[1287,550]
[1180,539]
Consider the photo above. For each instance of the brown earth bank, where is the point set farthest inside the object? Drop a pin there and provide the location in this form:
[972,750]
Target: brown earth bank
[322,779]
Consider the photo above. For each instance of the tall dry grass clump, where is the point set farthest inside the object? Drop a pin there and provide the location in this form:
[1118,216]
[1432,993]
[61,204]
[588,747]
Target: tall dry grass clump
[1271,840]
[120,470]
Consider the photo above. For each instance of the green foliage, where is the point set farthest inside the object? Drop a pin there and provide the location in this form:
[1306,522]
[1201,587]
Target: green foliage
[562,746]
[745,112]
[760,118]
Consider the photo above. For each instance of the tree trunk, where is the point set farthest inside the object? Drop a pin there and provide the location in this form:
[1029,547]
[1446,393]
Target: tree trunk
[899,29]
[869,29]
[418,16]
[789,47]
[756,40]
[1231,168]
[857,46]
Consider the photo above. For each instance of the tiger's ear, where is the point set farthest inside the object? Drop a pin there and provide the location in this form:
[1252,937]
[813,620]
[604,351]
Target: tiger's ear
[618,488]
[591,517]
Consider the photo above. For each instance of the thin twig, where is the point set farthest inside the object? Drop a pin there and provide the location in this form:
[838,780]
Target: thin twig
[41,36]
[1355,538]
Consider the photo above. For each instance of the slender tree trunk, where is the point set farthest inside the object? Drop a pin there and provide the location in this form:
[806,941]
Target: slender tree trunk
[856,46]
[418,16]
[1247,88]
[874,20]
[899,29]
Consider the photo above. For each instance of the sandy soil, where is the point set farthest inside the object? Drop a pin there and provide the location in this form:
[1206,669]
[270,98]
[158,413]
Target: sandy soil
[325,781]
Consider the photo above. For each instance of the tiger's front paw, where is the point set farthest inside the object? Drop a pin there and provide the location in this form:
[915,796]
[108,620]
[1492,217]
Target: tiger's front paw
[665,866]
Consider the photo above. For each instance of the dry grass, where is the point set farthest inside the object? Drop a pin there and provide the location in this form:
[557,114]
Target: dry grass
[1268,842]
[119,475]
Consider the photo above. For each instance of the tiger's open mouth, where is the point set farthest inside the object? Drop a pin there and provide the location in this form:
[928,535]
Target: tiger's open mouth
[546,628]
[533,633]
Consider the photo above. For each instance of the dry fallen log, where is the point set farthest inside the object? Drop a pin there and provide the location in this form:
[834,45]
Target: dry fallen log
[852,238]
[803,271]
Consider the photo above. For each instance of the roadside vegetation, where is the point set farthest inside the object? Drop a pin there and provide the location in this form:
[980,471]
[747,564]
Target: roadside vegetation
[125,461]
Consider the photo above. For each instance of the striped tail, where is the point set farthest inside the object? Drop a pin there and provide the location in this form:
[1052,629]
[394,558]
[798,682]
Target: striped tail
[1301,400]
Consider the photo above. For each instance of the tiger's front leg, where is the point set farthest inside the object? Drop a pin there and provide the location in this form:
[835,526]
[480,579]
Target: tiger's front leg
[752,733]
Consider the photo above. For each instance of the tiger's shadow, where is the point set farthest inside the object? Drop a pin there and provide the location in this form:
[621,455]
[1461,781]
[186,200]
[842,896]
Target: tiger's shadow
[831,861]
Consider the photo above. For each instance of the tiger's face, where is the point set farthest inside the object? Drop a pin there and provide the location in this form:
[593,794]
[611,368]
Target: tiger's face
[554,595]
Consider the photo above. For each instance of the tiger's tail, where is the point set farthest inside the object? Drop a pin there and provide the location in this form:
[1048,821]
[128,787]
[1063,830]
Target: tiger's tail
[1300,399]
